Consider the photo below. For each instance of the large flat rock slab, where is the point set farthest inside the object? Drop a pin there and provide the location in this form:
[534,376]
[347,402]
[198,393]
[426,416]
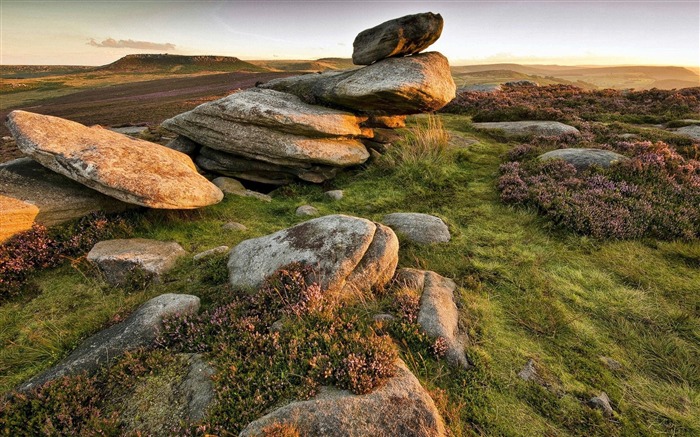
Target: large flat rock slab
[398,37]
[528,128]
[342,250]
[273,109]
[139,329]
[583,158]
[15,216]
[56,197]
[401,407]
[394,86]
[128,169]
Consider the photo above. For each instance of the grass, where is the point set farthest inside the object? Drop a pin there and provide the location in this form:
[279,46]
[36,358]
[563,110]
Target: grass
[528,291]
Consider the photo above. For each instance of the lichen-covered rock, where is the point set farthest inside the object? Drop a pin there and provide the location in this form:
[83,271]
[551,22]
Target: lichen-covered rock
[138,330]
[418,228]
[233,186]
[585,158]
[394,86]
[529,128]
[15,216]
[123,260]
[306,211]
[401,407]
[334,246]
[398,37]
[128,169]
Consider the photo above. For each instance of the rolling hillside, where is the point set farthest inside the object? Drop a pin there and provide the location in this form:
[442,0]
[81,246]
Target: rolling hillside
[179,64]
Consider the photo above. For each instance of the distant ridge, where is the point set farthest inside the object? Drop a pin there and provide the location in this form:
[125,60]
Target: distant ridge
[179,64]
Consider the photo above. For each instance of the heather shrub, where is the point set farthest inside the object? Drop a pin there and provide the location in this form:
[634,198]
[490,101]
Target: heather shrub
[656,193]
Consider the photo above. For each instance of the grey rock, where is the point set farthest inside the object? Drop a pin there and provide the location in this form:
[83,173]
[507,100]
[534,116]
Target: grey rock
[184,145]
[529,128]
[139,329]
[211,252]
[529,372]
[383,318]
[521,83]
[602,402]
[394,86]
[692,131]
[123,260]
[306,211]
[401,407]
[333,245]
[232,186]
[377,266]
[334,194]
[130,130]
[585,158]
[418,228]
[233,226]
[398,37]
[480,88]
[611,363]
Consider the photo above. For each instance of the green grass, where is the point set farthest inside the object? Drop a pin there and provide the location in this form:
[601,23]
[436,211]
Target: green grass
[528,291]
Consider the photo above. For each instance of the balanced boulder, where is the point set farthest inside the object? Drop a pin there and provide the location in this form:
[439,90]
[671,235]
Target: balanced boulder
[128,169]
[398,37]
[341,250]
[585,158]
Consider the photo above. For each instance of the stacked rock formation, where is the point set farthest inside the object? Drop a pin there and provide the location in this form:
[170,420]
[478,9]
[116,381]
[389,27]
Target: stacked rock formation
[308,127]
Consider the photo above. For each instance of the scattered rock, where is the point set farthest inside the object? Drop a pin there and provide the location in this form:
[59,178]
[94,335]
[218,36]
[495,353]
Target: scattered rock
[15,216]
[57,198]
[602,402]
[529,128]
[233,226]
[232,186]
[401,407]
[181,393]
[211,252]
[129,130]
[184,145]
[418,228]
[333,245]
[383,318]
[307,211]
[140,329]
[334,194]
[628,136]
[585,158]
[692,131]
[131,170]
[611,363]
[529,373]
[521,83]
[386,122]
[394,86]
[124,260]
[398,37]
[480,88]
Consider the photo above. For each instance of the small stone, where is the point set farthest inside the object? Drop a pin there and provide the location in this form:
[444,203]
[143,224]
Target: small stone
[529,373]
[611,363]
[383,318]
[585,158]
[418,228]
[277,326]
[211,252]
[233,226]
[529,128]
[234,187]
[335,194]
[602,402]
[307,211]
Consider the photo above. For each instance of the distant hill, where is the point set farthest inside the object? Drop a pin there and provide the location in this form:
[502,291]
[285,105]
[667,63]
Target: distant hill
[35,71]
[322,64]
[178,64]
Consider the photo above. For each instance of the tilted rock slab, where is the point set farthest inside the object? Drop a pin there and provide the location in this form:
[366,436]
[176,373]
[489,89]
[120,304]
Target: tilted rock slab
[394,86]
[417,227]
[529,128]
[584,158]
[122,260]
[139,329]
[128,169]
[15,216]
[56,197]
[348,254]
[401,407]
[398,37]
[273,109]
[438,315]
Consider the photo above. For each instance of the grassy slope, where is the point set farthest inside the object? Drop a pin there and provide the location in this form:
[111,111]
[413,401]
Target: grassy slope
[528,291]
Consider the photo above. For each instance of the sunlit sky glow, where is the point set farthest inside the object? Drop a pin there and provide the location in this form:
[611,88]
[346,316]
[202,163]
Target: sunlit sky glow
[532,32]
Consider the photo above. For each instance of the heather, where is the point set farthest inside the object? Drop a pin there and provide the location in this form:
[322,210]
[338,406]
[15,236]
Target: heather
[568,103]
[656,193]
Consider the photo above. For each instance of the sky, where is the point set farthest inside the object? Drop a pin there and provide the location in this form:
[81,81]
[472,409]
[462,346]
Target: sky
[577,32]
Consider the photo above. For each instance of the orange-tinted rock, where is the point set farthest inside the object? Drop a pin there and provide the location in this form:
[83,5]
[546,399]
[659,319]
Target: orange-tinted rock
[15,216]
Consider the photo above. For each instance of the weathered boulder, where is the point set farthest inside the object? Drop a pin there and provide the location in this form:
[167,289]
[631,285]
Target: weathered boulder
[585,158]
[529,128]
[401,407]
[398,37]
[692,131]
[181,393]
[602,403]
[57,198]
[133,131]
[184,145]
[385,121]
[276,110]
[334,194]
[259,171]
[394,86]
[139,329]
[131,170]
[124,260]
[15,216]
[334,245]
[480,88]
[219,250]
[418,228]
[306,211]
[232,186]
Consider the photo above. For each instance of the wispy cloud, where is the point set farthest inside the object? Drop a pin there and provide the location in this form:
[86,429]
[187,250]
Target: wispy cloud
[131,44]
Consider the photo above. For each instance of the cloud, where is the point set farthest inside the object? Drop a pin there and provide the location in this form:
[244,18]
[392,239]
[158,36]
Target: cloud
[131,44]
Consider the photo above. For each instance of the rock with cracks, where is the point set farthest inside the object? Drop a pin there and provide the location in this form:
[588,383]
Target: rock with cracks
[401,407]
[398,37]
[347,254]
[138,330]
[128,169]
